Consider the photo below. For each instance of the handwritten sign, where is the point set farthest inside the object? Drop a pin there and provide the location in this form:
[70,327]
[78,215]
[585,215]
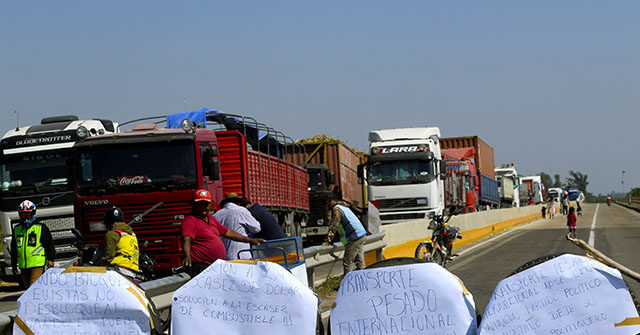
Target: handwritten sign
[567,295]
[83,303]
[244,298]
[409,299]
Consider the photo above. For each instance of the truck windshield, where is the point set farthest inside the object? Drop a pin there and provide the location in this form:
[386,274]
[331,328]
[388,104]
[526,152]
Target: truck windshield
[35,173]
[136,168]
[400,172]
[315,179]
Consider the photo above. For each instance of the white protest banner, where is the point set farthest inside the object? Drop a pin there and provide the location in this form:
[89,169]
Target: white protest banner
[74,301]
[566,295]
[244,298]
[407,299]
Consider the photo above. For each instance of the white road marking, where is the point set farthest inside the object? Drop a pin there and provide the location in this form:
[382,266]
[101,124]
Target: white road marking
[592,232]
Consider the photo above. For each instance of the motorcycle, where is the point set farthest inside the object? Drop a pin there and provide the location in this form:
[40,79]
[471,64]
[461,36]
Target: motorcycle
[438,248]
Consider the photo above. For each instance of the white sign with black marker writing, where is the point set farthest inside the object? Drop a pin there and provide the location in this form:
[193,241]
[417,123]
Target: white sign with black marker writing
[244,298]
[83,303]
[566,295]
[407,299]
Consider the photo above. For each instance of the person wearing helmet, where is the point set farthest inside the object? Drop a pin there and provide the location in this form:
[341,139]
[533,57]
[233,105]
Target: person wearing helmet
[31,246]
[201,243]
[120,243]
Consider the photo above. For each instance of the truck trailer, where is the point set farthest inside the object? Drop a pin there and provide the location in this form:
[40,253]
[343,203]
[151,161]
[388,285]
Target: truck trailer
[36,165]
[150,166]
[404,173]
[332,168]
[481,160]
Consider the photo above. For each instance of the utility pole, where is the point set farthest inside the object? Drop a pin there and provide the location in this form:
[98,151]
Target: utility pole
[622,181]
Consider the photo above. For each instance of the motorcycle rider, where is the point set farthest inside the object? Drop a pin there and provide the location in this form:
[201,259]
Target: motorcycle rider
[609,201]
[31,246]
[120,243]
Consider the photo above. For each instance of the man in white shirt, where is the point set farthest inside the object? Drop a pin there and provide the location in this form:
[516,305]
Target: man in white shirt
[239,219]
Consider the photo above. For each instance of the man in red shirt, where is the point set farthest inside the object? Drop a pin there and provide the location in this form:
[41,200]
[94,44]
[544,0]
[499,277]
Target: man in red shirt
[201,243]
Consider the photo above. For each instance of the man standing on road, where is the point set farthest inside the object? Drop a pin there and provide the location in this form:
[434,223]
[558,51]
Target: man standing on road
[237,218]
[352,234]
[201,243]
[31,246]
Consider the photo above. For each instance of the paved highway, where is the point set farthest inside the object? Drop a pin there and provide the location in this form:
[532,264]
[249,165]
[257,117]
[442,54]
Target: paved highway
[482,265]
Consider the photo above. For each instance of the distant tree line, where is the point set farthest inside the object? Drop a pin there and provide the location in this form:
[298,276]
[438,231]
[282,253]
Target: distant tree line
[576,178]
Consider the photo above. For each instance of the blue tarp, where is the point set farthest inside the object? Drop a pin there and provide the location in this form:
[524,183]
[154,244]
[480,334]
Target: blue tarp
[174,120]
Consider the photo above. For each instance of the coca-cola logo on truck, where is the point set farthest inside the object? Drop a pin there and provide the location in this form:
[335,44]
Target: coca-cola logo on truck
[132,180]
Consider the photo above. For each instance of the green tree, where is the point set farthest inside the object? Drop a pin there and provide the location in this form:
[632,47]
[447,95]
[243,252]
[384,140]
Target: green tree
[579,180]
[635,192]
[546,180]
[557,182]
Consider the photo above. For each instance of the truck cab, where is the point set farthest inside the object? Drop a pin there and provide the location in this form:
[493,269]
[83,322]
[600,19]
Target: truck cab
[37,165]
[321,186]
[404,173]
[509,183]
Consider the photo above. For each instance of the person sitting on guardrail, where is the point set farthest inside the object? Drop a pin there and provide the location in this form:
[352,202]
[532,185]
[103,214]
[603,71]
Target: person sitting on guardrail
[120,243]
[352,234]
[31,245]
[201,243]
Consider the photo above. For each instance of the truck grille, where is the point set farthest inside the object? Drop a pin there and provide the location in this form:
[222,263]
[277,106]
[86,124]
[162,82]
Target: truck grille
[403,203]
[403,216]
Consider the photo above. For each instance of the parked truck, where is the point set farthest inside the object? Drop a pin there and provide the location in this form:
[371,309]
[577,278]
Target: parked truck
[36,166]
[405,173]
[150,166]
[555,193]
[481,159]
[332,169]
[509,185]
[535,189]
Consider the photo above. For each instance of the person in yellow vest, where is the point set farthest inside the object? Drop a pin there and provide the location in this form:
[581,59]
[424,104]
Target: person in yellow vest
[31,246]
[120,243]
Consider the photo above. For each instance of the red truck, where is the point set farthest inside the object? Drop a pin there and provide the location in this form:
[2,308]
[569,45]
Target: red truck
[473,154]
[146,166]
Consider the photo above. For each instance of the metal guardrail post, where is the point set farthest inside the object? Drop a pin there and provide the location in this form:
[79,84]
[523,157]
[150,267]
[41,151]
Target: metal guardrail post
[320,255]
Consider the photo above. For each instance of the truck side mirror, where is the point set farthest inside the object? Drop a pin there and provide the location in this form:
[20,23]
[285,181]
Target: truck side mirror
[443,169]
[215,170]
[332,178]
[361,174]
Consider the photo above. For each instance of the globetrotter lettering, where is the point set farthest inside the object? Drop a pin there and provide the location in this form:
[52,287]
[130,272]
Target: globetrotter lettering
[124,181]
[43,140]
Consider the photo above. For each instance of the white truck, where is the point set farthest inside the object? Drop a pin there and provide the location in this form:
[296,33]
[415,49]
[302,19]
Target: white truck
[404,173]
[507,176]
[36,163]
[555,193]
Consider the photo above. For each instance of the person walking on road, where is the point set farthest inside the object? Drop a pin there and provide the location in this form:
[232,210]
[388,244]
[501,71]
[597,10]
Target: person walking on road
[239,219]
[201,243]
[31,245]
[579,208]
[552,208]
[565,205]
[352,234]
[120,243]
[544,212]
[572,222]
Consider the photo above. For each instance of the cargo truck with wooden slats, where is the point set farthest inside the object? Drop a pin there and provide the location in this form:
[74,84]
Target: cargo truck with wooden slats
[332,168]
[151,165]
[486,195]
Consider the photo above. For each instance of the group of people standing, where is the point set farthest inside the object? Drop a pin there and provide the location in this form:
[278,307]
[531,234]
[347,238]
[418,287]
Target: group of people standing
[206,237]
[571,212]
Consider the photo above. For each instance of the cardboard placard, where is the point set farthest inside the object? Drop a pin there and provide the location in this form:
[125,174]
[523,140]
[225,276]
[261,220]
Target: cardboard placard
[566,295]
[407,299]
[80,301]
[244,298]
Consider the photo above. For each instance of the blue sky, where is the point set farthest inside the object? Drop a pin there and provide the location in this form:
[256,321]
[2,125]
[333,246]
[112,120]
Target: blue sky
[552,86]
